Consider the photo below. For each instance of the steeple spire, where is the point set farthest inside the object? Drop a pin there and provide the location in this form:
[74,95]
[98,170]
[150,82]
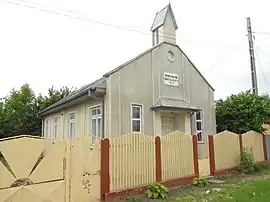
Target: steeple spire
[164,26]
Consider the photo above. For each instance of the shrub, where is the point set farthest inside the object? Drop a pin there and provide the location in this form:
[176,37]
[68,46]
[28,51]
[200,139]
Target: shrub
[247,163]
[156,190]
[261,166]
[200,181]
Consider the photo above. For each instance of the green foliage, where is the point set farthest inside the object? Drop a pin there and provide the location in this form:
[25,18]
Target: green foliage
[243,112]
[261,166]
[247,162]
[156,190]
[19,110]
[53,96]
[200,181]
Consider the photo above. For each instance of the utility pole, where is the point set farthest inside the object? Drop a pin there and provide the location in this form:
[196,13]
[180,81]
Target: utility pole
[252,59]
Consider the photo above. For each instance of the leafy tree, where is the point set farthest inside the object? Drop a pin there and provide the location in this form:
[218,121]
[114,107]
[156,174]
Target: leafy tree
[53,96]
[19,110]
[243,112]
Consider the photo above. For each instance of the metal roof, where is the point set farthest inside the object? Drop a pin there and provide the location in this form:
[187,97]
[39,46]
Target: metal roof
[100,83]
[174,103]
[161,16]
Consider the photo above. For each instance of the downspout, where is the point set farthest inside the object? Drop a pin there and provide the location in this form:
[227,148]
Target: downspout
[91,91]
[42,127]
[190,120]
[191,114]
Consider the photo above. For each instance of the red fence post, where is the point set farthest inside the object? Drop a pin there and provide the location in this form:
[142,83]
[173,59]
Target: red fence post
[104,168]
[241,142]
[195,154]
[158,159]
[211,154]
[264,146]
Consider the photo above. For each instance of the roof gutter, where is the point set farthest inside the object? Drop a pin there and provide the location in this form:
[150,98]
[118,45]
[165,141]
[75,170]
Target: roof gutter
[63,105]
[49,109]
[77,99]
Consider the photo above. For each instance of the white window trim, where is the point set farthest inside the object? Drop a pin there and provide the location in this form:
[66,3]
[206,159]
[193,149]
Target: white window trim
[95,117]
[93,107]
[201,121]
[54,136]
[69,121]
[141,119]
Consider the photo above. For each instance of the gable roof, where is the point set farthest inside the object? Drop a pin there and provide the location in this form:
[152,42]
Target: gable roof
[147,51]
[101,83]
[161,16]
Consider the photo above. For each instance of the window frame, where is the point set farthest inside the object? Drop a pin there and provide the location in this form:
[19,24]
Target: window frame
[70,122]
[95,117]
[199,121]
[55,134]
[136,119]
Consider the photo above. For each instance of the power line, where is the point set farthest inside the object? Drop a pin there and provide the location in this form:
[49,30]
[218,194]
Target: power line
[82,17]
[77,16]
[268,33]
[220,59]
[260,65]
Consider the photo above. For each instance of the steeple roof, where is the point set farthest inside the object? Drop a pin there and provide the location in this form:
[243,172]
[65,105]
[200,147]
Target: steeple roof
[161,16]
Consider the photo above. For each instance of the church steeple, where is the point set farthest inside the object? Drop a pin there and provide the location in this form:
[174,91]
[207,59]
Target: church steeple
[164,26]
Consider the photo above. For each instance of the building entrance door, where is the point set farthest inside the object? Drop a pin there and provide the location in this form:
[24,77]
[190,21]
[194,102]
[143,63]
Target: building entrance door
[167,125]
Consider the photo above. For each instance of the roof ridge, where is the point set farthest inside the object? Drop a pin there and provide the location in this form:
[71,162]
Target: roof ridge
[161,16]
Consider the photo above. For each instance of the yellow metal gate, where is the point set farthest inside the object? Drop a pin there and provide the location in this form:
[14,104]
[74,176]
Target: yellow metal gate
[32,169]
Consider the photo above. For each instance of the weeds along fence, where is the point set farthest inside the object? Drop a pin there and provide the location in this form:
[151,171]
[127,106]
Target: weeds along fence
[225,148]
[130,162]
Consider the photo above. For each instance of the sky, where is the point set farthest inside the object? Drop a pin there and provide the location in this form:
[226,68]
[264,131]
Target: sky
[45,49]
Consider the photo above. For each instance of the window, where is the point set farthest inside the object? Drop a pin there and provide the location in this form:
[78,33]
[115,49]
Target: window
[136,118]
[199,126]
[46,129]
[96,123]
[55,127]
[71,125]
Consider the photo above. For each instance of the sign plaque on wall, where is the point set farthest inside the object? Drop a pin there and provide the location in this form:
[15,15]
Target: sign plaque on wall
[171,79]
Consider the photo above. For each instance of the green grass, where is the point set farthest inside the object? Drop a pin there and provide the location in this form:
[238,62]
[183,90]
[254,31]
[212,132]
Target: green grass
[256,191]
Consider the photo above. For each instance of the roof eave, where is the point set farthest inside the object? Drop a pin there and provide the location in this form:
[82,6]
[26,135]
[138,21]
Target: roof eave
[62,105]
[75,100]
[192,65]
[131,60]
[173,18]
[166,107]
[153,22]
